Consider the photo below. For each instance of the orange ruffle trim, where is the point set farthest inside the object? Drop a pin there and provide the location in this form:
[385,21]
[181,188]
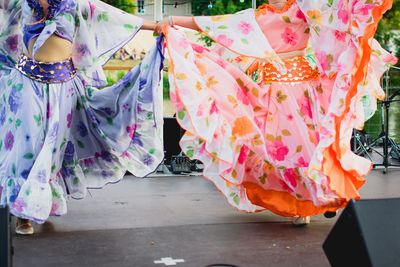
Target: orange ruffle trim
[346,183]
[334,153]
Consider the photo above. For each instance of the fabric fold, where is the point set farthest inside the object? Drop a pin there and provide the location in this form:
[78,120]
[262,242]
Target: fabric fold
[59,139]
[281,142]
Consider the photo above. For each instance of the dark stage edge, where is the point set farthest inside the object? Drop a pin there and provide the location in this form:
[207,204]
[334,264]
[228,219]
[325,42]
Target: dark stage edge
[139,221]
[252,244]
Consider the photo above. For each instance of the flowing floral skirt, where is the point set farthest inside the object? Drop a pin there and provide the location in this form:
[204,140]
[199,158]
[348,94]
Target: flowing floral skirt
[262,142]
[59,139]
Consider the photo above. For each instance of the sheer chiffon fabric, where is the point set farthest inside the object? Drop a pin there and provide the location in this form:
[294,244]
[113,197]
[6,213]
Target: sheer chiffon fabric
[60,139]
[281,145]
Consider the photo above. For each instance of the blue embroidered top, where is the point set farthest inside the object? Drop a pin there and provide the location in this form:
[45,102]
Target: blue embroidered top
[59,21]
[96,30]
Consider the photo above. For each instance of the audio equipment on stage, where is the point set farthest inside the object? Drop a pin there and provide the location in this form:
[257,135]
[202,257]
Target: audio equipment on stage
[172,134]
[5,237]
[367,233]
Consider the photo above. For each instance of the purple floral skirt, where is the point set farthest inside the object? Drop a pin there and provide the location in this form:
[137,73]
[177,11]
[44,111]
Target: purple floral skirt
[59,137]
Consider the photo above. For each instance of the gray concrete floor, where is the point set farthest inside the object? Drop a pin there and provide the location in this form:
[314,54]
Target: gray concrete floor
[139,221]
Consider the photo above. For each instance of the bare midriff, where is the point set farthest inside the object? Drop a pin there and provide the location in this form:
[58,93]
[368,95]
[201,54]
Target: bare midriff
[54,49]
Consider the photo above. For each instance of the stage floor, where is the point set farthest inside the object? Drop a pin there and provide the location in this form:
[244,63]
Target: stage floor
[137,222]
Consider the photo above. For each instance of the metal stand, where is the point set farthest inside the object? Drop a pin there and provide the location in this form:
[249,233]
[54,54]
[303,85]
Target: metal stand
[390,147]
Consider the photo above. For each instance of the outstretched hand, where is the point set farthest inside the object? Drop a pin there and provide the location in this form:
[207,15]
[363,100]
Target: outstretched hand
[182,21]
[165,21]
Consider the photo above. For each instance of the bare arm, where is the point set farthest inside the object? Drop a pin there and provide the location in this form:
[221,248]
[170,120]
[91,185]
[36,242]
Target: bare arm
[148,25]
[186,22]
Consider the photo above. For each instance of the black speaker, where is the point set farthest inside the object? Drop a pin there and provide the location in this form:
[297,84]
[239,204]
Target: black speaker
[5,237]
[172,134]
[367,233]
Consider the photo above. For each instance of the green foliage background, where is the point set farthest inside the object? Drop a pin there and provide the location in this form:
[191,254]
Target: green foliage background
[389,28]
[387,32]
[126,5]
[219,7]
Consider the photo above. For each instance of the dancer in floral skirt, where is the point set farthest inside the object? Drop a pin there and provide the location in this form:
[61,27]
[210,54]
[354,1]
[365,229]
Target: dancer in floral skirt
[60,134]
[272,130]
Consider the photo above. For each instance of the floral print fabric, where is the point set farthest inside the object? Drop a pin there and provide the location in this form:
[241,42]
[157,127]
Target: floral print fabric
[282,146]
[10,34]
[61,139]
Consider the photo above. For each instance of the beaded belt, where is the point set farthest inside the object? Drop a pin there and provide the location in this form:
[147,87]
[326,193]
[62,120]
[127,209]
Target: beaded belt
[298,70]
[54,72]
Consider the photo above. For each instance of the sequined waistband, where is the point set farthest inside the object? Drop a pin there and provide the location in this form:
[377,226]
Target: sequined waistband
[298,70]
[54,72]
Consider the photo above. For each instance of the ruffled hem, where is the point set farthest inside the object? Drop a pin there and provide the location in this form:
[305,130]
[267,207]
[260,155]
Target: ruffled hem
[333,166]
[98,136]
[250,197]
[214,148]
[344,177]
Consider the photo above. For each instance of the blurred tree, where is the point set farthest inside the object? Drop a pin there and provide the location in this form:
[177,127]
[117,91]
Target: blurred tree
[388,32]
[126,5]
[218,7]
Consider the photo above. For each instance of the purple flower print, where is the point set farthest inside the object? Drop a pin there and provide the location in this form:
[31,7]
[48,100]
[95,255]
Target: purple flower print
[147,159]
[66,5]
[69,119]
[38,92]
[69,152]
[106,156]
[54,130]
[41,176]
[96,38]
[9,141]
[131,130]
[139,108]
[54,209]
[92,117]
[136,140]
[142,83]
[106,110]
[106,174]
[49,108]
[96,78]
[126,107]
[25,173]
[14,21]
[19,205]
[3,116]
[66,172]
[11,45]
[88,162]
[81,128]
[14,193]
[14,100]
[80,50]
[53,133]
